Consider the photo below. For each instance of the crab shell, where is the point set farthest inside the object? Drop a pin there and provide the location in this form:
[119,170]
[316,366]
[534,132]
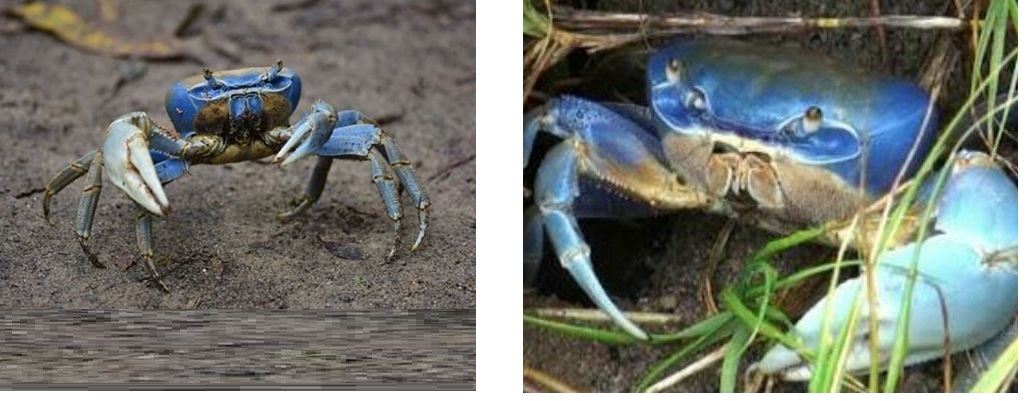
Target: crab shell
[816,122]
[252,98]
[239,106]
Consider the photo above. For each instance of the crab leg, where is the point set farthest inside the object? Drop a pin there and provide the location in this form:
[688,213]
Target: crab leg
[398,162]
[316,184]
[385,181]
[144,240]
[88,206]
[609,150]
[68,175]
[403,168]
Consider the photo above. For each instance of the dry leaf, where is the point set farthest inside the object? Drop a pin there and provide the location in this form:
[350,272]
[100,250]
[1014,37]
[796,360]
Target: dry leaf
[72,29]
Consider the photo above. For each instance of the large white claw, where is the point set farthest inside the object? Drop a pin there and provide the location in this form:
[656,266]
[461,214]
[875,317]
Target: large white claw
[963,294]
[128,163]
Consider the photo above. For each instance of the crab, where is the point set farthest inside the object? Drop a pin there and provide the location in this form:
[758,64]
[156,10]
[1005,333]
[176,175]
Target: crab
[778,138]
[228,117]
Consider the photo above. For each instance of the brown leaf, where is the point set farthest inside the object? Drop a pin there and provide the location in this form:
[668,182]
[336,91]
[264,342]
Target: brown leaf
[69,27]
[342,250]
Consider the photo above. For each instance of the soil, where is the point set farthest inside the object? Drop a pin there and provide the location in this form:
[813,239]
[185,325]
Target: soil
[660,264]
[410,65]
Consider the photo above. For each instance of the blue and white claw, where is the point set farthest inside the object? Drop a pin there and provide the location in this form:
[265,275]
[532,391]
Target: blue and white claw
[966,284]
[609,165]
[350,135]
[307,135]
[132,140]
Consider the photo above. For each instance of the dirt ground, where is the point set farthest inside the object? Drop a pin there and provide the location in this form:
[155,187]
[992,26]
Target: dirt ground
[410,65]
[659,264]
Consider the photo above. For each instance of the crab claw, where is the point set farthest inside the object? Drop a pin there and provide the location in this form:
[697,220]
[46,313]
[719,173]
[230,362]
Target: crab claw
[128,163]
[963,295]
[308,135]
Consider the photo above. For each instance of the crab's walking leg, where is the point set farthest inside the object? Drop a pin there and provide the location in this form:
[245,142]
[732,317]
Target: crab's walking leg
[316,184]
[144,240]
[356,141]
[69,174]
[398,162]
[403,168]
[623,175]
[88,206]
[385,181]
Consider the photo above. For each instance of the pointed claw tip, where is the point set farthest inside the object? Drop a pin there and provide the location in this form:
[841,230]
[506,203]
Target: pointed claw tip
[418,241]
[639,334]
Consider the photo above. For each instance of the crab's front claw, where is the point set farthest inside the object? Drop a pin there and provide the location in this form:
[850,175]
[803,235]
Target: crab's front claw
[965,290]
[308,135]
[129,165]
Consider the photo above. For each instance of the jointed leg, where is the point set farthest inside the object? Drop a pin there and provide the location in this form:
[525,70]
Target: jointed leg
[403,168]
[69,174]
[362,140]
[385,181]
[88,206]
[398,162]
[144,240]
[311,194]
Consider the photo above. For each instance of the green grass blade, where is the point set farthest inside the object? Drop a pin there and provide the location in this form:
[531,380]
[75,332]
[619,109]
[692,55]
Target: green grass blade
[999,374]
[534,23]
[732,360]
[582,332]
[655,372]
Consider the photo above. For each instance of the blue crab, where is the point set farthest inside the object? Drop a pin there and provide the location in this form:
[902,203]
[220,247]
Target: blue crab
[778,138]
[228,117]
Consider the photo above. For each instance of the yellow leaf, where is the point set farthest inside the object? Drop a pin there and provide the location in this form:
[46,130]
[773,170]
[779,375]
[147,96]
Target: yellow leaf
[67,26]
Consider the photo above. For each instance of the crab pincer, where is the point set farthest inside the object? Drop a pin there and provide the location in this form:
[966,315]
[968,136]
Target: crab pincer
[129,165]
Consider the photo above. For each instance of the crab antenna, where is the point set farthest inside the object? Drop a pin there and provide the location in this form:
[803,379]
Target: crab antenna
[274,70]
[210,77]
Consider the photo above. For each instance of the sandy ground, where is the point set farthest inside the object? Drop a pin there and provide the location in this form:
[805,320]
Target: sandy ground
[411,64]
[659,264]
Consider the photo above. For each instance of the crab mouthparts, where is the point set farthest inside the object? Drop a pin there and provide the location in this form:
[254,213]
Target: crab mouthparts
[731,143]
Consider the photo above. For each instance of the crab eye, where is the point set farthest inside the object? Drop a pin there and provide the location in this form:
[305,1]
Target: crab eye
[695,99]
[673,70]
[272,72]
[210,78]
[812,120]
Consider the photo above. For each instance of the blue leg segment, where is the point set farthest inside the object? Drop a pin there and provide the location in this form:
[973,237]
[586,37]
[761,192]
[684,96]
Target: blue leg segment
[533,244]
[168,168]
